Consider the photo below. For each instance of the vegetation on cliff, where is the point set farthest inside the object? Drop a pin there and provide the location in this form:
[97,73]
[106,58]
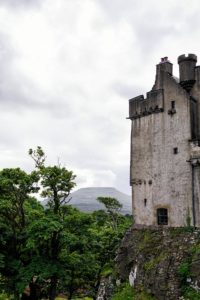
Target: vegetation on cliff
[163,263]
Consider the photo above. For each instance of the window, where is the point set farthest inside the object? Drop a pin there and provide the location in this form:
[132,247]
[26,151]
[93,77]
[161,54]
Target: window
[172,110]
[162,216]
[145,202]
[175,150]
[172,104]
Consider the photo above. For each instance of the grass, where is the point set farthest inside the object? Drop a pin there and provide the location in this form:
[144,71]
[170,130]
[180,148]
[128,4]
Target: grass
[191,294]
[154,262]
[124,292]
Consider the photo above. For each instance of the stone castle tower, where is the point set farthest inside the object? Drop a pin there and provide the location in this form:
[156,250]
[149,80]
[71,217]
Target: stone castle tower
[165,147]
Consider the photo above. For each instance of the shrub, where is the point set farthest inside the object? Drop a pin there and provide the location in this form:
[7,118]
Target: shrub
[124,292]
[191,294]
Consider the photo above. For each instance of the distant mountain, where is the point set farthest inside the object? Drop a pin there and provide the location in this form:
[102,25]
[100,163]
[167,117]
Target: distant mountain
[85,199]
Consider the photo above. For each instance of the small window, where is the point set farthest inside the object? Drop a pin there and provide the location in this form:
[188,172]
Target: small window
[162,216]
[145,202]
[175,150]
[172,104]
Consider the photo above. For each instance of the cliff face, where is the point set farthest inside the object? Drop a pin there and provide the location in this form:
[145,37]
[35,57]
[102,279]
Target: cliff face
[164,262]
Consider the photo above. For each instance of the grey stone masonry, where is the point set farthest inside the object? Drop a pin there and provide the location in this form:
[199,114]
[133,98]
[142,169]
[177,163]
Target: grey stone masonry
[165,147]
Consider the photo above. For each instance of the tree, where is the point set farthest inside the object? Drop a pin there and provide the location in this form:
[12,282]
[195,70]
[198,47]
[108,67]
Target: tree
[113,206]
[16,187]
[109,228]
[56,181]
[56,185]
[56,248]
[28,233]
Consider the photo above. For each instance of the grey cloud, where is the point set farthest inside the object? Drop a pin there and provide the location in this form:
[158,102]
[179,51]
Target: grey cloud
[19,93]
[125,90]
[116,9]
[122,180]
[17,4]
[151,23]
[79,112]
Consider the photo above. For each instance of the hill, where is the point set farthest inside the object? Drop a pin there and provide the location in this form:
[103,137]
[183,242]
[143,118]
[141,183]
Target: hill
[85,198]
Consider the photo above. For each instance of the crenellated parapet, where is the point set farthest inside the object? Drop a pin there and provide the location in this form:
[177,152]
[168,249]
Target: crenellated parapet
[187,66]
[141,107]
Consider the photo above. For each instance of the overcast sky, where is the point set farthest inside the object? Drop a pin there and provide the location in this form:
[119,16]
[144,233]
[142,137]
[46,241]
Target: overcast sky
[67,70]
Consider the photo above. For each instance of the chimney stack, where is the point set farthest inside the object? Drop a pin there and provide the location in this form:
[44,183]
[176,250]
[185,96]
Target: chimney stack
[165,65]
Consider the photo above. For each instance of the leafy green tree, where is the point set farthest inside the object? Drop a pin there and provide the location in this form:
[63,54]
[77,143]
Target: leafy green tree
[16,187]
[56,248]
[109,227]
[113,207]
[111,204]
[56,185]
[74,265]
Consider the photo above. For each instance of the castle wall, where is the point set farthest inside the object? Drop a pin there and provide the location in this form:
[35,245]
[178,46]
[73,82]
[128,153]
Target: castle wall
[195,164]
[195,92]
[157,174]
[196,174]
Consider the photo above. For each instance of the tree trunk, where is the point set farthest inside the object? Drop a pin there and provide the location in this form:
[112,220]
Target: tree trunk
[34,291]
[16,295]
[96,287]
[71,288]
[53,287]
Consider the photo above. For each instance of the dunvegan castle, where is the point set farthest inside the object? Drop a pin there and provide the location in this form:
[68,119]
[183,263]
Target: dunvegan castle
[165,147]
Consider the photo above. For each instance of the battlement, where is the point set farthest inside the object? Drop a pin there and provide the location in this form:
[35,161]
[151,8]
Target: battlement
[141,107]
[189,57]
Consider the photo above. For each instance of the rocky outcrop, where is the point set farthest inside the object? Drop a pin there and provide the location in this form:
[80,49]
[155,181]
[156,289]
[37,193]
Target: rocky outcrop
[106,288]
[164,262]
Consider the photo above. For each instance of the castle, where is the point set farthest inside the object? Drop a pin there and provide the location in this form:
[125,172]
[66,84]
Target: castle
[165,147]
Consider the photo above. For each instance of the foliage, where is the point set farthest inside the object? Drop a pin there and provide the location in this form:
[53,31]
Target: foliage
[124,292]
[15,189]
[154,262]
[107,239]
[111,204]
[145,240]
[191,294]
[113,207]
[184,270]
[57,248]
[107,270]
[195,250]
[142,296]
[4,296]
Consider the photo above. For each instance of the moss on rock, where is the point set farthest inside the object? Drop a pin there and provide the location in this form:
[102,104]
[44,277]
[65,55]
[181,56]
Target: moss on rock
[165,261]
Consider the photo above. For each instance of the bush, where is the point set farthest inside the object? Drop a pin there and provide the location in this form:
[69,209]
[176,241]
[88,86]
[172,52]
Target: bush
[184,270]
[191,294]
[124,292]
[4,296]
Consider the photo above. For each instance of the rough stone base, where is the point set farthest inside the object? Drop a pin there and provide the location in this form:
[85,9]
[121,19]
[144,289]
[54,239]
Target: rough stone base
[106,288]
[160,260]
